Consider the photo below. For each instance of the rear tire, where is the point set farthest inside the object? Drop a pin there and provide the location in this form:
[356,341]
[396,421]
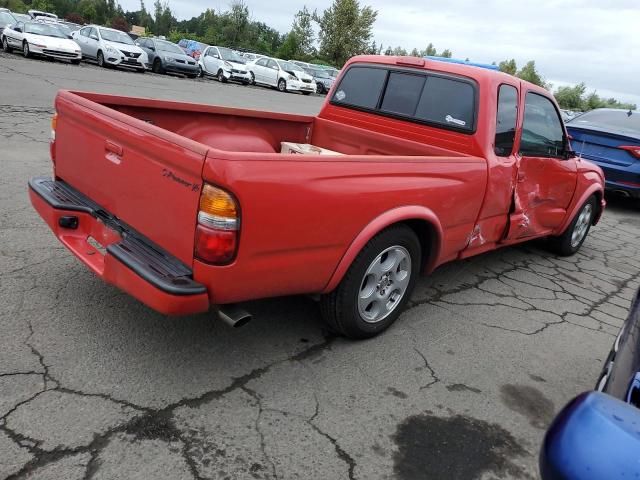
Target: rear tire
[5,45]
[574,236]
[377,286]
[141,70]
[306,93]
[75,62]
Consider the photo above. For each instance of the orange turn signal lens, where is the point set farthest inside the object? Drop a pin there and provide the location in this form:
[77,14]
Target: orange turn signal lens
[217,202]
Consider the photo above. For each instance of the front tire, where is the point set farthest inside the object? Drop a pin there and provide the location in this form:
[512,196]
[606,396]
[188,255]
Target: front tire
[253,79]
[25,49]
[141,70]
[157,67]
[377,286]
[319,89]
[75,62]
[101,62]
[221,77]
[574,236]
[282,85]
[5,45]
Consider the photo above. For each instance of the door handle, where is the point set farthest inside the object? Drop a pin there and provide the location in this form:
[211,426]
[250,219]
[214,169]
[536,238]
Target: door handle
[113,147]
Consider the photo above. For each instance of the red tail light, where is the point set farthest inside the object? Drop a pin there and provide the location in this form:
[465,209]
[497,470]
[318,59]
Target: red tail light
[215,246]
[218,224]
[632,149]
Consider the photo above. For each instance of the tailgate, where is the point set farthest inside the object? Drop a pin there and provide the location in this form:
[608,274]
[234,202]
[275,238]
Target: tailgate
[146,176]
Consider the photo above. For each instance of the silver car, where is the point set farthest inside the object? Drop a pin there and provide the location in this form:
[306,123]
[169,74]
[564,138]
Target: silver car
[110,48]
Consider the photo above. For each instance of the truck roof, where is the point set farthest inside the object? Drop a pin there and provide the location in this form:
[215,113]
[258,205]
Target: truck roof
[463,69]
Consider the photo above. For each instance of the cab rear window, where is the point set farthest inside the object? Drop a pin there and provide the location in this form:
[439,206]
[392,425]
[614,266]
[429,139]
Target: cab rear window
[422,97]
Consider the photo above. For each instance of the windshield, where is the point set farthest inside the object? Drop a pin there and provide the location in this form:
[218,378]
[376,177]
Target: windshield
[295,67]
[286,66]
[43,29]
[6,18]
[23,17]
[230,55]
[114,36]
[64,29]
[319,73]
[609,119]
[168,47]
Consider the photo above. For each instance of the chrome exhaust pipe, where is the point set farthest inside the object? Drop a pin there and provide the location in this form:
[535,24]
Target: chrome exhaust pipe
[234,316]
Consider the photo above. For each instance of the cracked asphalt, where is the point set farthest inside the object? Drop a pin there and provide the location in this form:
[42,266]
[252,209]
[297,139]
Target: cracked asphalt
[95,385]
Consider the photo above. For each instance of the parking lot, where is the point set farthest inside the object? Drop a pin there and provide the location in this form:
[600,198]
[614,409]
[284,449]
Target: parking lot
[94,384]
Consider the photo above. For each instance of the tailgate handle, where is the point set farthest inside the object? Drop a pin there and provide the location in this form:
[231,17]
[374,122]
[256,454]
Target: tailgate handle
[113,148]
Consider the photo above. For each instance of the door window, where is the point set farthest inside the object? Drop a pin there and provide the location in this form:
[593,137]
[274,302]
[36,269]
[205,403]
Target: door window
[262,62]
[93,33]
[506,120]
[271,64]
[542,132]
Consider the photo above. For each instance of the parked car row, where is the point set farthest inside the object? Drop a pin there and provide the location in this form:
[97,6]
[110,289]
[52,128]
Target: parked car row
[44,35]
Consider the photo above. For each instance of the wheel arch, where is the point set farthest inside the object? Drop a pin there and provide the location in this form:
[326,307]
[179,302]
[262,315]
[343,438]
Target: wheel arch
[420,219]
[595,190]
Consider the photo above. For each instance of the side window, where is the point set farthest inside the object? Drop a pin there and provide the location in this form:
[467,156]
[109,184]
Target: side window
[84,32]
[506,120]
[272,63]
[542,132]
[402,93]
[361,87]
[262,62]
[93,33]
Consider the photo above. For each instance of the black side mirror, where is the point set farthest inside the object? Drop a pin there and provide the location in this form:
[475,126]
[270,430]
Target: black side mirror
[17,29]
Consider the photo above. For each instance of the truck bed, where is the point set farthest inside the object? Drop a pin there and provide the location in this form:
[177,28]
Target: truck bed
[144,162]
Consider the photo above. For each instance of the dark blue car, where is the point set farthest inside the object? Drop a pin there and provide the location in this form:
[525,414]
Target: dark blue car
[610,138]
[597,435]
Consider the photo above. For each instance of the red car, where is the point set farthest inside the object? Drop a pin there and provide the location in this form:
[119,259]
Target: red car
[188,206]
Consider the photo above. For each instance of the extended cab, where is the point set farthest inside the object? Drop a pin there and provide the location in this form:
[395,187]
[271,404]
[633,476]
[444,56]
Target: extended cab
[188,206]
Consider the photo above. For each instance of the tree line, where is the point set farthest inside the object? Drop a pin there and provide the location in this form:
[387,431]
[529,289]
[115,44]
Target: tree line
[344,29]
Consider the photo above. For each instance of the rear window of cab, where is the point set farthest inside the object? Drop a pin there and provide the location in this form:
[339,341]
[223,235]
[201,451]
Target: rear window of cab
[414,95]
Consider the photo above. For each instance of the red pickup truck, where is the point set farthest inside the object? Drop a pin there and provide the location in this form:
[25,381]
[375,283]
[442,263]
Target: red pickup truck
[188,207]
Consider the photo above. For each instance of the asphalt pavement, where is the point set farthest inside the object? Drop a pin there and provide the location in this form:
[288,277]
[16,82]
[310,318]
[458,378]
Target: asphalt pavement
[94,384]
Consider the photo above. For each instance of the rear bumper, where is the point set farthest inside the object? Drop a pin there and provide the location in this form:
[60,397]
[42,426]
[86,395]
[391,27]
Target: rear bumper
[620,178]
[115,252]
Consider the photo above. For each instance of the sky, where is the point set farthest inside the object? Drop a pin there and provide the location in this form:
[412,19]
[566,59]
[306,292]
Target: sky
[572,41]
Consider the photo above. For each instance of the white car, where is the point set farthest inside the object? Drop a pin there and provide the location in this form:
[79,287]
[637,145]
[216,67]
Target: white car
[224,64]
[35,14]
[283,75]
[36,38]
[110,47]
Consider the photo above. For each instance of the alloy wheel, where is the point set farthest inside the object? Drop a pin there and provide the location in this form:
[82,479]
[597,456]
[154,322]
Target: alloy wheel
[384,284]
[582,225]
